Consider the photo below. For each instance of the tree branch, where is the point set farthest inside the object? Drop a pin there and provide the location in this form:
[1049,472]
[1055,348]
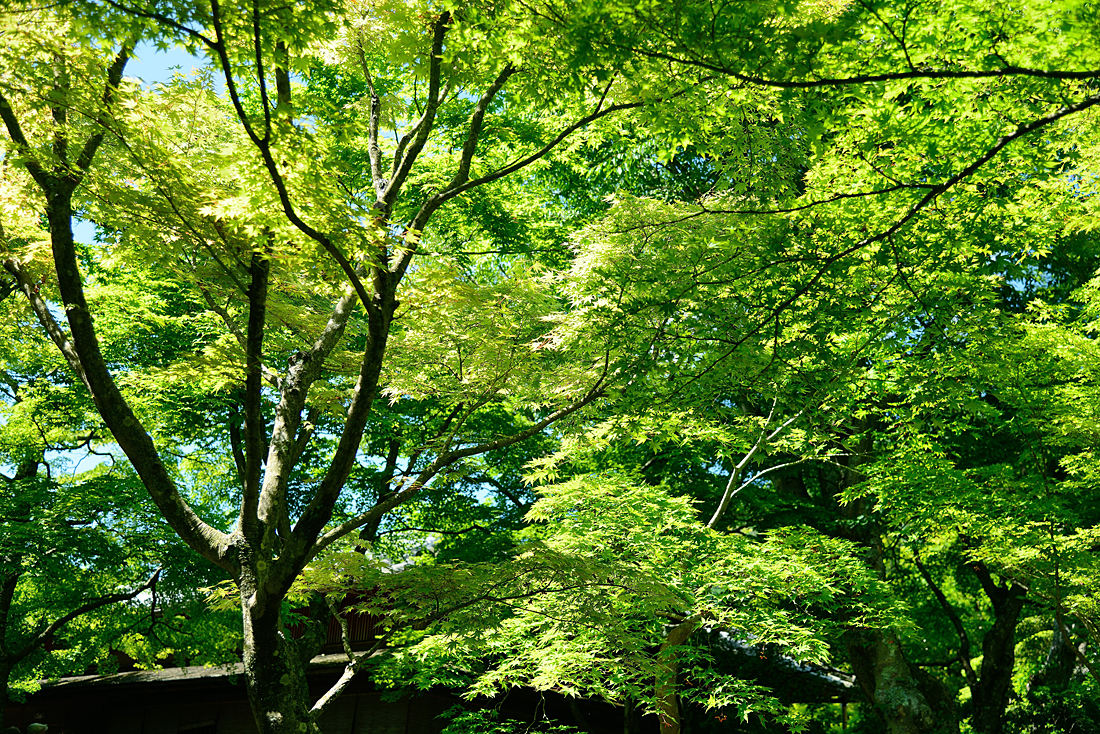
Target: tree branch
[499,486]
[434,202]
[45,635]
[301,545]
[995,593]
[12,572]
[924,202]
[1007,70]
[45,317]
[355,662]
[112,406]
[264,148]
[285,445]
[114,77]
[265,104]
[409,529]
[378,181]
[540,153]
[59,100]
[255,427]
[477,121]
[732,486]
[15,132]
[270,376]
[446,459]
[423,126]
[236,447]
[952,615]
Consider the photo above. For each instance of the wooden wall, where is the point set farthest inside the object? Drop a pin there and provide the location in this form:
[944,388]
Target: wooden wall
[148,704]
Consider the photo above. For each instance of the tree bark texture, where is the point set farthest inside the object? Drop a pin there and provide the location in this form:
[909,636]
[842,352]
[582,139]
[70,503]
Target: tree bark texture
[892,686]
[274,672]
[5,676]
[665,687]
[998,656]
[1052,710]
[1058,666]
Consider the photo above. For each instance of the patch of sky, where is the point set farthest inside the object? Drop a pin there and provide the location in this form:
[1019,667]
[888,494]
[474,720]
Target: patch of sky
[157,66]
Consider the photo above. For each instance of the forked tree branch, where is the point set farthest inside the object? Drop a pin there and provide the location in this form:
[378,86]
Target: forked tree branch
[287,439]
[263,146]
[433,203]
[355,663]
[734,484]
[301,544]
[477,121]
[532,581]
[423,126]
[964,640]
[540,153]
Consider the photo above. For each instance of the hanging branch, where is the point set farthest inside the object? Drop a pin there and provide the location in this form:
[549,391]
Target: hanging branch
[51,629]
[445,459]
[964,640]
[732,485]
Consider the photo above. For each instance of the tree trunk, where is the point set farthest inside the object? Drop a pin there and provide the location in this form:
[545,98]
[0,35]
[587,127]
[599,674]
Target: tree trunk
[668,703]
[665,687]
[1058,666]
[5,677]
[886,680]
[907,702]
[632,717]
[1051,709]
[274,671]
[7,657]
[998,659]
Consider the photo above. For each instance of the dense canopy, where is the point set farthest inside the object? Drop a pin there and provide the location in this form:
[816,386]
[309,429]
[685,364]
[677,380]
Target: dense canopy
[568,338]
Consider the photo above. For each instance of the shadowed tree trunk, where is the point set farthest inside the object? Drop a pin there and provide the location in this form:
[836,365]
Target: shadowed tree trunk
[1058,666]
[998,653]
[632,717]
[906,700]
[1046,690]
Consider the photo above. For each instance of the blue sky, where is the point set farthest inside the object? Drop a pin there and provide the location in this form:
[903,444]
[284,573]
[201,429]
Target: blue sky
[151,65]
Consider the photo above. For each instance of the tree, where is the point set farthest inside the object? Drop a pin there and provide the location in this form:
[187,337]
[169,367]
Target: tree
[608,584]
[296,188]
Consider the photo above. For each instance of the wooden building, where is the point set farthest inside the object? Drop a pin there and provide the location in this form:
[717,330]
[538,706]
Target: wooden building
[197,700]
